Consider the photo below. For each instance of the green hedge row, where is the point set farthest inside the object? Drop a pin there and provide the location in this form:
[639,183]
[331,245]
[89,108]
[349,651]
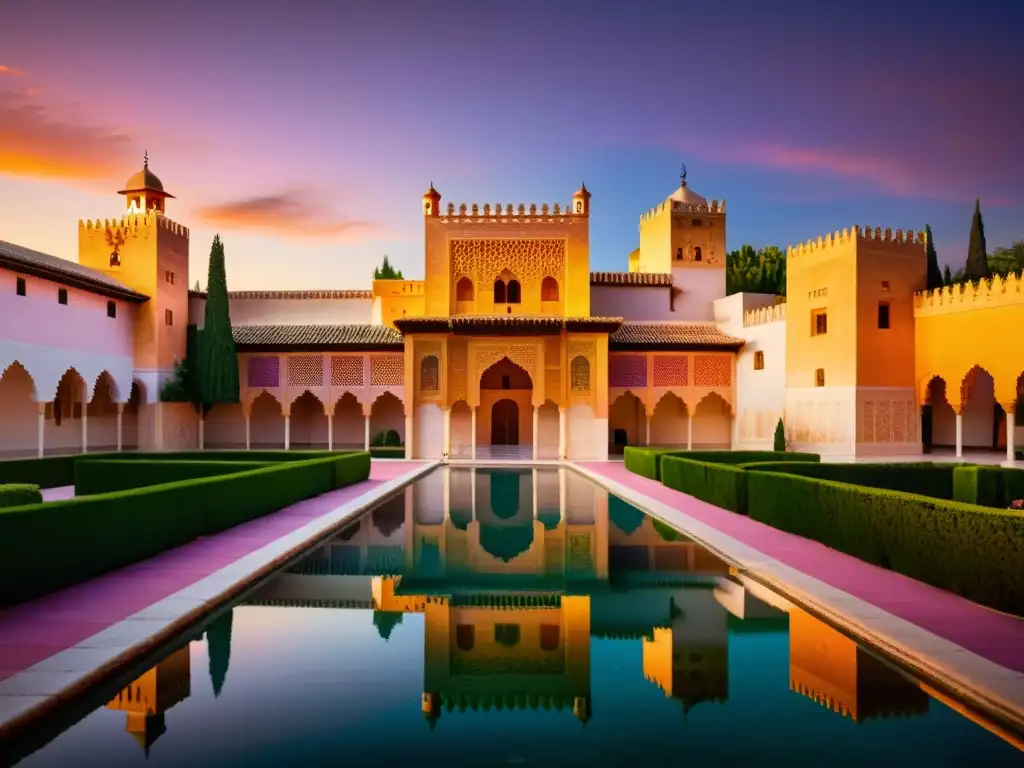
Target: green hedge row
[109,475]
[49,546]
[47,472]
[647,461]
[924,478]
[19,494]
[974,551]
[990,486]
[723,485]
[387,452]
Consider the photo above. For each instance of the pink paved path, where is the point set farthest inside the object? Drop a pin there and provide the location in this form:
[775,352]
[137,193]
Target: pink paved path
[36,630]
[995,636]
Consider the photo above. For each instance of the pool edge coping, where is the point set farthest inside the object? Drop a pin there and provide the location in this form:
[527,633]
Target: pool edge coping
[163,620]
[991,687]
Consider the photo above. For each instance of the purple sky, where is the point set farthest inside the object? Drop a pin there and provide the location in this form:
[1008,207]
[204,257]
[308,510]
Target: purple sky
[305,133]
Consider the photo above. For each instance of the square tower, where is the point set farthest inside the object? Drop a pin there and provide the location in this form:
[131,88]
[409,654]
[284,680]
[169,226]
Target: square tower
[850,381]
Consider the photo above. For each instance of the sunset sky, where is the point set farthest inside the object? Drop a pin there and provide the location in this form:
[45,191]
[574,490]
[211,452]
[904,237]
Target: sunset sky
[305,133]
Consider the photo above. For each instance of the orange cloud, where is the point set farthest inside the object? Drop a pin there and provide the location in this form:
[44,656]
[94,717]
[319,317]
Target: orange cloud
[35,142]
[9,71]
[289,215]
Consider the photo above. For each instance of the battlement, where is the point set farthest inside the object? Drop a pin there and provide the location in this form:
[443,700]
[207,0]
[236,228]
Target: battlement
[398,287]
[135,221]
[999,292]
[841,237]
[713,206]
[509,213]
[764,315]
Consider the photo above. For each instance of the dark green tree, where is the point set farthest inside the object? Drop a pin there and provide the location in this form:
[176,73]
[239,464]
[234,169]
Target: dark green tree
[217,372]
[977,257]
[779,443]
[947,276]
[183,386]
[385,622]
[386,272]
[218,648]
[935,279]
[1003,261]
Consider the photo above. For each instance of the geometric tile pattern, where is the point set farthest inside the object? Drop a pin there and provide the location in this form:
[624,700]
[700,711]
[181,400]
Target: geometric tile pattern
[671,370]
[387,371]
[712,371]
[627,371]
[347,371]
[305,370]
[263,372]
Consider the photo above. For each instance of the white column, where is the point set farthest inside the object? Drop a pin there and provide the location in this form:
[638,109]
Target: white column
[85,427]
[202,429]
[408,436]
[561,433]
[561,494]
[533,481]
[536,436]
[120,414]
[1011,425]
[648,443]
[287,432]
[959,435]
[330,431]
[41,428]
[472,492]
[446,445]
[248,431]
[366,432]
[689,431]
[472,434]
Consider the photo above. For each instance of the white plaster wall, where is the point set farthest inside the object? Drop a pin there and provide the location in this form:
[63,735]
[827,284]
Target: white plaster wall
[587,435]
[821,420]
[461,430]
[547,424]
[633,302]
[300,311]
[428,432]
[700,288]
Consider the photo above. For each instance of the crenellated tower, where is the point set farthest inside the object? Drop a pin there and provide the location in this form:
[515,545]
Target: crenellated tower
[148,252]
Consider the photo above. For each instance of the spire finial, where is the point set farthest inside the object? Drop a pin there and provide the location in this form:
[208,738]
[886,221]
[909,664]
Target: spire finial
[145,159]
[682,175]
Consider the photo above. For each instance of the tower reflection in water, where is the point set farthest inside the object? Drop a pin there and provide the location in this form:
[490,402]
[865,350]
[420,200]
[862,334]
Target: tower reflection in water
[515,572]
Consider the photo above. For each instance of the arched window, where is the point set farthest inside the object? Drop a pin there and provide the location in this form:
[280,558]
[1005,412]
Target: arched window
[499,291]
[579,374]
[549,289]
[679,254]
[464,290]
[549,637]
[429,374]
[507,634]
[515,293]
[696,253]
[465,636]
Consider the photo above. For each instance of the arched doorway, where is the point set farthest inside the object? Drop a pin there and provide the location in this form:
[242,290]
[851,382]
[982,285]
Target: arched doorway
[505,422]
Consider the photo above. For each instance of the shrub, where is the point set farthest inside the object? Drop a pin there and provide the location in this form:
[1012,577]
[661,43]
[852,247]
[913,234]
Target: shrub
[971,550]
[988,486]
[108,475]
[387,453]
[47,472]
[924,478]
[86,537]
[19,494]
[647,461]
[779,441]
[723,485]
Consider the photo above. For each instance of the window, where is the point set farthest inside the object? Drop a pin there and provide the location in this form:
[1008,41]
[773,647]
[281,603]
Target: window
[515,294]
[696,254]
[697,222]
[168,317]
[883,314]
[429,374]
[20,288]
[819,377]
[679,254]
[464,290]
[465,636]
[506,381]
[111,309]
[62,296]
[549,289]
[819,322]
[169,278]
[579,374]
[507,634]
[885,286]
[759,361]
[499,291]
[549,637]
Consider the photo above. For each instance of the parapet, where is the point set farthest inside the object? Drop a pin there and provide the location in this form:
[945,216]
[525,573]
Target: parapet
[764,315]
[713,206]
[398,288]
[997,292]
[135,221]
[840,237]
[510,213]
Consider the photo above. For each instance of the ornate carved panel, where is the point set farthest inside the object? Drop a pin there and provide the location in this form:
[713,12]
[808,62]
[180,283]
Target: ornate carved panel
[671,370]
[523,355]
[387,371]
[347,371]
[712,371]
[528,259]
[627,371]
[305,371]
[263,372]
[430,374]
[579,370]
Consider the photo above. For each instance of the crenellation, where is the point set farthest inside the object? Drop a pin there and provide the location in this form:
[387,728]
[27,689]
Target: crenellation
[901,237]
[133,221]
[712,207]
[764,315]
[966,296]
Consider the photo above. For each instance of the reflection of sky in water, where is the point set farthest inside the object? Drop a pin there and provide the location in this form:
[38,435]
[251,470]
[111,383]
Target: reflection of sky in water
[673,675]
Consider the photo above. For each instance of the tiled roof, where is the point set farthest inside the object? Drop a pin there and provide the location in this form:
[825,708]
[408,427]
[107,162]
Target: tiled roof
[19,259]
[672,336]
[340,294]
[511,325]
[268,338]
[642,279]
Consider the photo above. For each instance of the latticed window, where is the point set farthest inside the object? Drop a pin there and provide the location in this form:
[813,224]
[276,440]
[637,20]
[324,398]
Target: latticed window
[430,374]
[579,371]
[464,290]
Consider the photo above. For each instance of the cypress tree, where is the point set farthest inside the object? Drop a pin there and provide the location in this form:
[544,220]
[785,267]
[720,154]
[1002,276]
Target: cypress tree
[977,257]
[218,649]
[935,279]
[779,443]
[218,361]
[947,276]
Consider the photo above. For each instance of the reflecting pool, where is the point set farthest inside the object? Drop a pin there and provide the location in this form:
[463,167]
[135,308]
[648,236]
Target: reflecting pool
[500,617]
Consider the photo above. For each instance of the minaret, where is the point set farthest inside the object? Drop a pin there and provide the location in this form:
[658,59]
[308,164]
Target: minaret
[432,202]
[581,201]
[144,191]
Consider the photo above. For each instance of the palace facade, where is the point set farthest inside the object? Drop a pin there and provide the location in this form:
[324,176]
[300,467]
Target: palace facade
[512,347]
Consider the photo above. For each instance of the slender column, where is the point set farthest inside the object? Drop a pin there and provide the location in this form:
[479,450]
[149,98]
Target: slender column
[248,430]
[959,435]
[561,433]
[472,434]
[120,414]
[287,432]
[330,431]
[533,482]
[648,443]
[472,491]
[366,432]
[446,445]
[408,436]
[202,430]
[689,431]
[41,428]
[85,427]
[1011,425]
[536,435]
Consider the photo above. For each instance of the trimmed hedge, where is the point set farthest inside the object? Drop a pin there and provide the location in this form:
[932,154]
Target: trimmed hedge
[723,485]
[19,494]
[974,551]
[647,461]
[49,546]
[924,478]
[109,475]
[387,452]
[47,472]
[989,486]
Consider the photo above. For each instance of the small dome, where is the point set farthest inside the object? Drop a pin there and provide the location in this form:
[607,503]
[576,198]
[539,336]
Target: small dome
[582,191]
[686,195]
[432,193]
[144,181]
